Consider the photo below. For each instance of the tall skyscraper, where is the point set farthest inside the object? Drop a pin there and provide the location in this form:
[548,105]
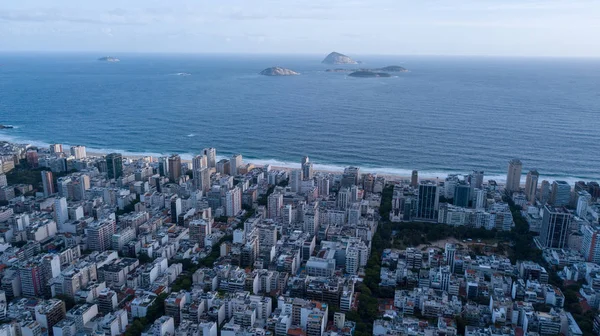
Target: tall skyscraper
[78,152]
[480,196]
[199,162]
[234,164]
[296,180]
[555,227]
[61,211]
[233,202]
[32,158]
[414,179]
[428,201]
[223,167]
[199,229]
[114,165]
[199,172]
[211,157]
[531,185]
[163,166]
[351,176]
[544,191]
[274,205]
[202,179]
[323,185]
[32,279]
[56,148]
[561,193]
[100,234]
[590,245]
[48,182]
[477,179]
[174,168]
[307,169]
[462,194]
[343,198]
[176,208]
[513,178]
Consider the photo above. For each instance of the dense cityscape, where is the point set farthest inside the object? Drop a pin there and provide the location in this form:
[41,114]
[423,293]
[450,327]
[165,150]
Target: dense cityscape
[113,245]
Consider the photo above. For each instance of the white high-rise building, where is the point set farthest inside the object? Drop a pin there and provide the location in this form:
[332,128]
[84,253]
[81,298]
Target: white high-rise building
[100,235]
[56,148]
[207,329]
[78,152]
[233,202]
[296,180]
[590,245]
[63,186]
[480,196]
[343,198]
[234,164]
[583,200]
[513,177]
[311,220]
[211,157]
[199,162]
[323,185]
[274,205]
[531,185]
[307,169]
[61,211]
[352,261]
[450,185]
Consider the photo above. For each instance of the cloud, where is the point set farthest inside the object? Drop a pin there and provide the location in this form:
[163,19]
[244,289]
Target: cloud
[515,6]
[115,16]
[239,15]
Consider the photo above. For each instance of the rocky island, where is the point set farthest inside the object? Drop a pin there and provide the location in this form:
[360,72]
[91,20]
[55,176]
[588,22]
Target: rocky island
[337,58]
[108,59]
[369,74]
[278,71]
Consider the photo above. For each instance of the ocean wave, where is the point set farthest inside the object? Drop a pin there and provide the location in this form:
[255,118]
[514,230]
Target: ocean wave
[388,171]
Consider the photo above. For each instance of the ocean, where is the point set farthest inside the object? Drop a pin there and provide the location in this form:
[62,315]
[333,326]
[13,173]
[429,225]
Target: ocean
[446,115]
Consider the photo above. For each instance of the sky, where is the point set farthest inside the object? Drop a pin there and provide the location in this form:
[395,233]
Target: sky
[553,28]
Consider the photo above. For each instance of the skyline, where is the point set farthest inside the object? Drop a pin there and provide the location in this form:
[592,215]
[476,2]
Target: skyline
[473,28]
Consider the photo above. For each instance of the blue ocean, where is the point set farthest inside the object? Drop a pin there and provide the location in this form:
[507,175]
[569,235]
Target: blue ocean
[446,115]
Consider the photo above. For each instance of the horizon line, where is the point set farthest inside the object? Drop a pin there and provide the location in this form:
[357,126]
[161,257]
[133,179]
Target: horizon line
[234,53]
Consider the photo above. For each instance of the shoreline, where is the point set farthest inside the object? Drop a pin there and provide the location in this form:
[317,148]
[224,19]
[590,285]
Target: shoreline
[393,177]
[387,172]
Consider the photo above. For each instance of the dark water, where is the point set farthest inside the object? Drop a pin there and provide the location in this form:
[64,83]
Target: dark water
[448,114]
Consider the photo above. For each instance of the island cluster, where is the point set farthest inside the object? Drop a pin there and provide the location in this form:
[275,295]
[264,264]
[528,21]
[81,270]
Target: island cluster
[340,59]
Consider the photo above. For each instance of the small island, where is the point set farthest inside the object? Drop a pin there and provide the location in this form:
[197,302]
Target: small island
[108,59]
[337,58]
[5,126]
[278,71]
[392,68]
[369,74]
